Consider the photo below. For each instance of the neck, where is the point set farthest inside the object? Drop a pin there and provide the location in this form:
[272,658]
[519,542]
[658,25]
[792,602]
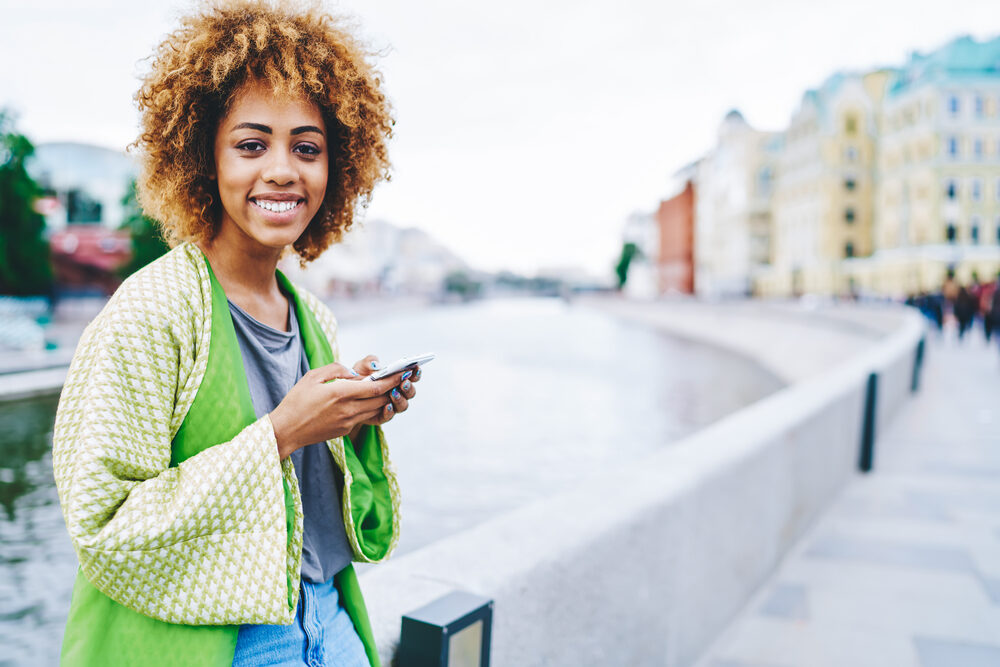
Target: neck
[243,269]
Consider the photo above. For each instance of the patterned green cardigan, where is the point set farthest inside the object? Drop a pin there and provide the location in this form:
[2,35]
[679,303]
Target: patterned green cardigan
[185,522]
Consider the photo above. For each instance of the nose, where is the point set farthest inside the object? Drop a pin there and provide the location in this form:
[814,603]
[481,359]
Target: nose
[279,168]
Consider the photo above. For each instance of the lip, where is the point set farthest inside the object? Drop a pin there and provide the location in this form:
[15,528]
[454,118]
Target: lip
[277,196]
[278,216]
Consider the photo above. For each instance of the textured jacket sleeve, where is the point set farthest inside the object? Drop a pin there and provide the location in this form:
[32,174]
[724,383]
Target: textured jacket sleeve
[203,542]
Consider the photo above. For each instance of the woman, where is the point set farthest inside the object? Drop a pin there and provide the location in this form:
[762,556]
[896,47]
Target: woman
[218,470]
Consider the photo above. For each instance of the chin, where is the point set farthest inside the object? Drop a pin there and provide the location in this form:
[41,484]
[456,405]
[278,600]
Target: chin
[278,239]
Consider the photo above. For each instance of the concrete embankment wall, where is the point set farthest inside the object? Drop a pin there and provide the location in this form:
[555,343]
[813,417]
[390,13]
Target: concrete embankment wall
[645,563]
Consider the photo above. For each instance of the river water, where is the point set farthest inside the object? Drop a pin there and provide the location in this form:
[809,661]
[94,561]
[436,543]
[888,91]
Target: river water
[525,397]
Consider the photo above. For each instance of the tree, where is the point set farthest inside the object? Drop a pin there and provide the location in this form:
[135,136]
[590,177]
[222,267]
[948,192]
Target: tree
[460,283]
[629,251]
[25,261]
[147,241]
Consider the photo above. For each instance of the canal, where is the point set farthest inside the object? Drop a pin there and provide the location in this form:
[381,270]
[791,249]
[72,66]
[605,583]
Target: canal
[526,396]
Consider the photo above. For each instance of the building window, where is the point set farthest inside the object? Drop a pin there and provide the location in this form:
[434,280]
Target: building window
[998,230]
[980,107]
[977,190]
[851,154]
[952,147]
[950,232]
[850,184]
[977,149]
[951,189]
[849,215]
[82,208]
[974,229]
[765,180]
[848,250]
[953,105]
[997,194]
[851,124]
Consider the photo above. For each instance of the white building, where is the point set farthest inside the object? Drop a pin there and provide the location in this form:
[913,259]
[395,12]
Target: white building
[732,209]
[378,257]
[88,183]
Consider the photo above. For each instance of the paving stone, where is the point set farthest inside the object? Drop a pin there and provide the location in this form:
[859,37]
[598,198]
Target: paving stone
[893,554]
[742,663]
[904,569]
[787,601]
[944,653]
[992,588]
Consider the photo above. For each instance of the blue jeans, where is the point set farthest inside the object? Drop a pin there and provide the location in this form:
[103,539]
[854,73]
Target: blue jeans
[322,634]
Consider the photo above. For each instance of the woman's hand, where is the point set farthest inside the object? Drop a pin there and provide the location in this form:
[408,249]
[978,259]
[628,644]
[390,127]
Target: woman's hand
[399,396]
[332,401]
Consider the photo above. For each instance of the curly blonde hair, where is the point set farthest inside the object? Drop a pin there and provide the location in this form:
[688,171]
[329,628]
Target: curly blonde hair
[197,71]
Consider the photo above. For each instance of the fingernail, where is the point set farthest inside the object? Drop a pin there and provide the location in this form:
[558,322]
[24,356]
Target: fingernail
[374,366]
[406,375]
[416,374]
[353,372]
[388,408]
[395,394]
[406,386]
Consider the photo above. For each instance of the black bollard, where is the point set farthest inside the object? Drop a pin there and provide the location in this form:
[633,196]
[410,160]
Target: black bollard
[452,631]
[918,365]
[868,427]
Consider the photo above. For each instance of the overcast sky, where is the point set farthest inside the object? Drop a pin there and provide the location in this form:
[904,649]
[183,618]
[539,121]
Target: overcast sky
[527,130]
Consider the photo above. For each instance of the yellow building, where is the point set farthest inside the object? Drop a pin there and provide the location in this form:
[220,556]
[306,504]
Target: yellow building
[938,200]
[822,208]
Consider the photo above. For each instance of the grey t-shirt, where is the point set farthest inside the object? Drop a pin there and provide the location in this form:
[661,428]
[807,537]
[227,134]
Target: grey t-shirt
[274,361]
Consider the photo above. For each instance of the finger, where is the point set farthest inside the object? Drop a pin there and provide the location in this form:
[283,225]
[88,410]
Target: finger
[384,415]
[407,389]
[399,401]
[416,375]
[367,366]
[372,416]
[333,371]
[372,388]
[366,405]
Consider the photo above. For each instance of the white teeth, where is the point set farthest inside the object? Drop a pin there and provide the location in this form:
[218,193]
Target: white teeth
[275,206]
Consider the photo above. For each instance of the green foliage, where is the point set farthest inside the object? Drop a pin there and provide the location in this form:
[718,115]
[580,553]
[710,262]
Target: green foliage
[629,252]
[460,283]
[25,262]
[147,242]
[537,285]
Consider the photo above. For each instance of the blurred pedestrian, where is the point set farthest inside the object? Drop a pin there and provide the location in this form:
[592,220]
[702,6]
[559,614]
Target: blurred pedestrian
[993,315]
[986,306]
[965,310]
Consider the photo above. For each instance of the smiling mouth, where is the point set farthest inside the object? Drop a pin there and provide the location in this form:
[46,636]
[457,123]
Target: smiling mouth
[277,206]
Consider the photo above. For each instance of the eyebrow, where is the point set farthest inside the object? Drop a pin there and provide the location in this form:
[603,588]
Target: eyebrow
[267,130]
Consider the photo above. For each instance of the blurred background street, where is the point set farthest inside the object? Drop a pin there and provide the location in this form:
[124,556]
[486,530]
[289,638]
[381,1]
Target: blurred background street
[616,224]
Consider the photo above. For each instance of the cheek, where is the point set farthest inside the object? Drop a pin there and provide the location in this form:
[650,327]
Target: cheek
[318,182]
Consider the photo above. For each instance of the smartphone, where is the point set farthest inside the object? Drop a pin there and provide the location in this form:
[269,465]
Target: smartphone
[401,365]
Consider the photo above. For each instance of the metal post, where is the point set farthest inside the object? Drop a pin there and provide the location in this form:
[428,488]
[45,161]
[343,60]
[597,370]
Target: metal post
[918,365]
[868,428]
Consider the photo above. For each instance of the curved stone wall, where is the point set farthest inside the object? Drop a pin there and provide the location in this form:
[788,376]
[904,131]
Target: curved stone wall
[646,563]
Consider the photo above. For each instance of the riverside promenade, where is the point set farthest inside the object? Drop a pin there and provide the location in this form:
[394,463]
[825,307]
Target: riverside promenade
[904,567]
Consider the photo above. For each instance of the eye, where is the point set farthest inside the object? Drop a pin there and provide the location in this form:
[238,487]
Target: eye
[251,146]
[307,149]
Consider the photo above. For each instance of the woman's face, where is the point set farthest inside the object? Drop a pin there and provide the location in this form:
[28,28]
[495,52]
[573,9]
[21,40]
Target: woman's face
[271,165]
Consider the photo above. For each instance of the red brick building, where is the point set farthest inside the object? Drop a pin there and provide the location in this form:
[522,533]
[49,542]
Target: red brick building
[675,264]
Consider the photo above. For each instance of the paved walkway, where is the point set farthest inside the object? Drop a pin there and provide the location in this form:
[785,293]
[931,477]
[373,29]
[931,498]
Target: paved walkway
[904,569]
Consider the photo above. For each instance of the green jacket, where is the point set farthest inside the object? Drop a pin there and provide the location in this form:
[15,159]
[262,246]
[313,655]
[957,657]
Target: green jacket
[185,522]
